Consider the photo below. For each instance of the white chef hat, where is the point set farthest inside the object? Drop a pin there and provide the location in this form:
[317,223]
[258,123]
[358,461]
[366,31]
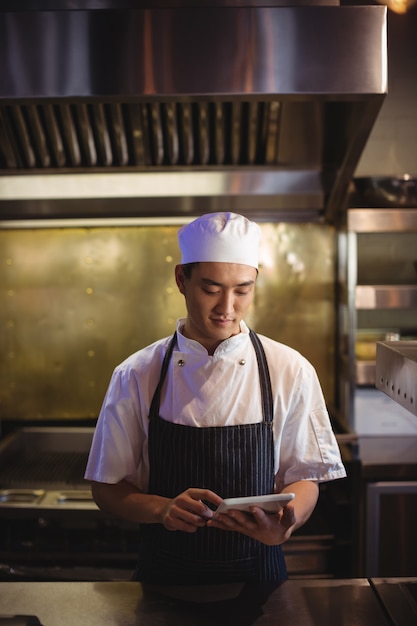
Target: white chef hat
[220,237]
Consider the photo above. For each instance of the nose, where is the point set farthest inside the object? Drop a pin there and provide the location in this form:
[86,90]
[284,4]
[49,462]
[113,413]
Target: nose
[225,306]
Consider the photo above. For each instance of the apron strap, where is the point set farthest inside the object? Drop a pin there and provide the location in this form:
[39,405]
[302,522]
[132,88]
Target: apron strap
[265,379]
[156,400]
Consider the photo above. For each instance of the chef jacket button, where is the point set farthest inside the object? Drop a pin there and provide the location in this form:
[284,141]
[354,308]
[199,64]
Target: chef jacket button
[181,362]
[242,362]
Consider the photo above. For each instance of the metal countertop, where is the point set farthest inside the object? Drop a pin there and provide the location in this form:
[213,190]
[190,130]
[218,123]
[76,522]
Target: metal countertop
[354,602]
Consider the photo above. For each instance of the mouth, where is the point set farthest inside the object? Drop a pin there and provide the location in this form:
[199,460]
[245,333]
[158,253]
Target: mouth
[219,321]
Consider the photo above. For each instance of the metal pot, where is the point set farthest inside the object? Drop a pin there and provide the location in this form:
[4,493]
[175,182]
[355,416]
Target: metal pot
[385,191]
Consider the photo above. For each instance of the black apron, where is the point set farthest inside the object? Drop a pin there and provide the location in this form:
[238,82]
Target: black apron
[232,461]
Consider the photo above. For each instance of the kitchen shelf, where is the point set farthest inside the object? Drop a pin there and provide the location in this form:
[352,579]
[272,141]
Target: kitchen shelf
[377,295]
[365,372]
[385,296]
[380,220]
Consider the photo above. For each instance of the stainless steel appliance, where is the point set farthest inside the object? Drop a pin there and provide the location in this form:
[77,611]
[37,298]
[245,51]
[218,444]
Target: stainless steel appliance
[51,529]
[387,485]
[396,372]
[172,109]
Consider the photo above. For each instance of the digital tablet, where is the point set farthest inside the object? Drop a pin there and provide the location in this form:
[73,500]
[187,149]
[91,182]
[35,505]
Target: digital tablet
[270,504]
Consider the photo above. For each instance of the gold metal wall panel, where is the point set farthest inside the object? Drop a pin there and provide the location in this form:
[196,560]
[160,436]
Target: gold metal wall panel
[76,301]
[295,297]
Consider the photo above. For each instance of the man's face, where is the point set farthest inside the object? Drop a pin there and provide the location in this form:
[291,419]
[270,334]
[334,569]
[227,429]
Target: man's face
[217,297]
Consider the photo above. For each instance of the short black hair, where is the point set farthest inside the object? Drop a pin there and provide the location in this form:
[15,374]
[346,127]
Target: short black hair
[187,268]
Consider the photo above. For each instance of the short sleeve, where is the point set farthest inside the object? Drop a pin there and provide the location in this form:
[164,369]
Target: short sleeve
[306,447]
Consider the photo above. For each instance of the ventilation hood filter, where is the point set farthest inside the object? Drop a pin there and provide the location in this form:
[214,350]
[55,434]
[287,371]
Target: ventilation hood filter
[172,109]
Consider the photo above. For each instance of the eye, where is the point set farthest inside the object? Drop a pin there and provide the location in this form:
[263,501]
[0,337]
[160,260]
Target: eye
[210,292]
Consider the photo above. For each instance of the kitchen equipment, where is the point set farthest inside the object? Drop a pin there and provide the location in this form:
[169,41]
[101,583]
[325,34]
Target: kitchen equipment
[396,372]
[232,107]
[377,302]
[386,191]
[387,495]
[44,468]
[50,527]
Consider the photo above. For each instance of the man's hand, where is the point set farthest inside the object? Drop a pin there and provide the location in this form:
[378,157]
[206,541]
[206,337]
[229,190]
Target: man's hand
[188,511]
[272,529]
[269,528]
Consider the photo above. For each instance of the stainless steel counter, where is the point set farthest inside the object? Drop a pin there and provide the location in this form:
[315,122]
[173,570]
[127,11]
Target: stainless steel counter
[354,602]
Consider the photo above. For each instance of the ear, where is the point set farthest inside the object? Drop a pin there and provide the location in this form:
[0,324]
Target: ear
[180,278]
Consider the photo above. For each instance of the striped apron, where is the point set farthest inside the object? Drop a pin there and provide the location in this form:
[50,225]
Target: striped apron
[231,461]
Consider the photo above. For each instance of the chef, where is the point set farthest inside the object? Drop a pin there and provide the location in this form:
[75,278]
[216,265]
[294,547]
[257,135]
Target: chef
[214,411]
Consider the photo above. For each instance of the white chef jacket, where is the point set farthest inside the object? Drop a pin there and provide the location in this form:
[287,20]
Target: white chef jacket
[215,390]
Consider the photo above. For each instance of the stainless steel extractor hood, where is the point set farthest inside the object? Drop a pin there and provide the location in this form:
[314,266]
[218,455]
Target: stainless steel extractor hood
[168,108]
